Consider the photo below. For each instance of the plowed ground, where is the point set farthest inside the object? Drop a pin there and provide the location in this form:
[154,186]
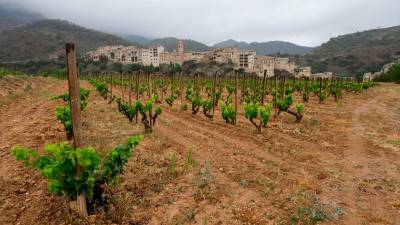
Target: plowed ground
[343,159]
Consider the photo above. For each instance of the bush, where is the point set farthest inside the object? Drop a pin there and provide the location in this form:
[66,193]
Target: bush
[393,75]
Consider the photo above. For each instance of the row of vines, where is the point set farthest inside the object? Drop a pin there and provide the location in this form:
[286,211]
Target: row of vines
[258,97]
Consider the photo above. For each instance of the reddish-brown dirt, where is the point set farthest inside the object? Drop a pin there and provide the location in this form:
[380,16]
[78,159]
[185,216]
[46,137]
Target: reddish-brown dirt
[345,153]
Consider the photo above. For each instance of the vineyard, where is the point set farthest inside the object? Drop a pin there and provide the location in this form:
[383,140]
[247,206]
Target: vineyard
[223,96]
[220,148]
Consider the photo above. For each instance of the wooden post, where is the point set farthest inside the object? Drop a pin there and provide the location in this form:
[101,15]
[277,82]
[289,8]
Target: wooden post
[75,104]
[122,88]
[137,93]
[276,91]
[214,97]
[320,86]
[148,84]
[283,87]
[263,87]
[111,87]
[236,97]
[149,78]
[130,89]
[180,87]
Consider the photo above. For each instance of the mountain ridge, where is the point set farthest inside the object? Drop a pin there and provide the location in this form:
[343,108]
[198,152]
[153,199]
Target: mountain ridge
[38,40]
[266,48]
[356,53]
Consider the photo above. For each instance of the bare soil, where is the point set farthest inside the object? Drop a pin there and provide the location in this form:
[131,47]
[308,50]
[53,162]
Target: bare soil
[346,153]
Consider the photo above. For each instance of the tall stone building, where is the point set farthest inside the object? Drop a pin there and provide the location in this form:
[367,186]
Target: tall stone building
[181,52]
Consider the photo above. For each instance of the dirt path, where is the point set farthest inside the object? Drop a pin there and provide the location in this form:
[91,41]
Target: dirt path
[367,205]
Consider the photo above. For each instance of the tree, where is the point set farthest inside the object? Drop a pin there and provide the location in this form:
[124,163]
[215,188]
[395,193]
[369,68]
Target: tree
[117,67]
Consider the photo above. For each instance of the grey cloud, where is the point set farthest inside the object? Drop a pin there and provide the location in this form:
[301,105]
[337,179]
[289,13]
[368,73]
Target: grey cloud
[305,22]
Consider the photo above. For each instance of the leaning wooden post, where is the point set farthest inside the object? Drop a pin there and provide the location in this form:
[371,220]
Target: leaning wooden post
[263,87]
[75,104]
[236,97]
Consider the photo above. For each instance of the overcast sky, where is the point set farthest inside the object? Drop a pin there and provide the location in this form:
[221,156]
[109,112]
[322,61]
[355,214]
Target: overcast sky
[304,22]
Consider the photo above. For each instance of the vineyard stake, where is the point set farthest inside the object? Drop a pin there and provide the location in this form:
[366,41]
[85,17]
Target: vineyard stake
[320,86]
[214,96]
[137,93]
[283,84]
[111,87]
[180,87]
[236,97]
[122,87]
[130,88]
[275,90]
[74,92]
[263,87]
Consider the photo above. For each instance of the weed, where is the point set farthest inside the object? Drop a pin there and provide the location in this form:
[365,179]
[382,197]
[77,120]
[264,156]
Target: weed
[244,182]
[184,107]
[173,165]
[314,211]
[189,160]
[394,142]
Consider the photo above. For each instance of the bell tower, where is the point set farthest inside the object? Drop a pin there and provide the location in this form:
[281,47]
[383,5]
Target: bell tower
[181,52]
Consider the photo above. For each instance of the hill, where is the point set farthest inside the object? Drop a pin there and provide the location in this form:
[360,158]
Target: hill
[170,44]
[12,16]
[266,48]
[143,41]
[39,40]
[354,54]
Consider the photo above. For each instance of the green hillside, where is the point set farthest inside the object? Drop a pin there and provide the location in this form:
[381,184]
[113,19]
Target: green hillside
[38,40]
[354,54]
[266,48]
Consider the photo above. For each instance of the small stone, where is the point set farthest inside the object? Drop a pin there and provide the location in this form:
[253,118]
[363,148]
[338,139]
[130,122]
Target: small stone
[22,190]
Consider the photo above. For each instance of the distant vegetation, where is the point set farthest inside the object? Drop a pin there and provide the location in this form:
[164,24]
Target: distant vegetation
[38,40]
[6,72]
[267,48]
[171,44]
[355,54]
[393,75]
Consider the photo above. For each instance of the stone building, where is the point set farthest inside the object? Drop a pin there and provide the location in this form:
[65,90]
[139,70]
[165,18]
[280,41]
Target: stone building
[247,60]
[324,75]
[271,64]
[302,72]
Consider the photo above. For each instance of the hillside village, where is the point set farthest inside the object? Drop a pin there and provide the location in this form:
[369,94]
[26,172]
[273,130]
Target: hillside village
[247,60]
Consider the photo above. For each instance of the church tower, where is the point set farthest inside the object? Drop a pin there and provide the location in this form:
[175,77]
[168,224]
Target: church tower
[181,52]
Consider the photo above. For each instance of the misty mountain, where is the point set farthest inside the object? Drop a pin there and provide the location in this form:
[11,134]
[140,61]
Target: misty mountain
[143,41]
[40,39]
[170,44]
[356,53]
[12,16]
[266,48]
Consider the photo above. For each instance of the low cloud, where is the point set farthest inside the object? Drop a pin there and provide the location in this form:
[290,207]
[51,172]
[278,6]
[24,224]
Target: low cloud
[306,22]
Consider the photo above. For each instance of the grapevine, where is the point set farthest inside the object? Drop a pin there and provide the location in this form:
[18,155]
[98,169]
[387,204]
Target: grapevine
[58,167]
